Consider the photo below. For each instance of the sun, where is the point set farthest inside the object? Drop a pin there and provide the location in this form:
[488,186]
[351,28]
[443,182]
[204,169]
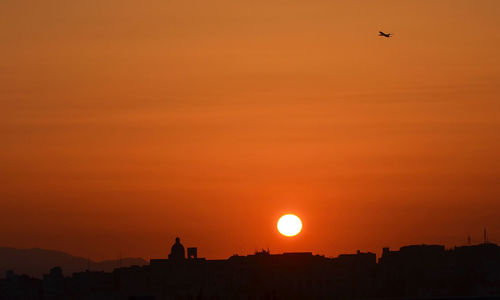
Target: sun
[289,225]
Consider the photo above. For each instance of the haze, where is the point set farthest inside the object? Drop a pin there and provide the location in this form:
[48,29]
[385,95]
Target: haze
[126,123]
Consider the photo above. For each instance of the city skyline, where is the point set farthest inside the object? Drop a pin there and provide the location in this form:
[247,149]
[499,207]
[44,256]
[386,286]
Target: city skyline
[36,262]
[412,272]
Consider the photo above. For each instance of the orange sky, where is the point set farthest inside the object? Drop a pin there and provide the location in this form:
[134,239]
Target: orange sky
[124,123]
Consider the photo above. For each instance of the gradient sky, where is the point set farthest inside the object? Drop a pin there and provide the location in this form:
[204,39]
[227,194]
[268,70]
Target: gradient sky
[125,123]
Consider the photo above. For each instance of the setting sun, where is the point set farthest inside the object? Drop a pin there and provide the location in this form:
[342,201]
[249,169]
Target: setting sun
[289,225]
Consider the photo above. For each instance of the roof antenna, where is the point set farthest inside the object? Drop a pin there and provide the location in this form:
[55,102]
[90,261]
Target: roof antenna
[469,240]
[485,236]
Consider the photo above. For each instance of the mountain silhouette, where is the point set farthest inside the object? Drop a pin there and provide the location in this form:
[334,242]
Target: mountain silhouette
[35,262]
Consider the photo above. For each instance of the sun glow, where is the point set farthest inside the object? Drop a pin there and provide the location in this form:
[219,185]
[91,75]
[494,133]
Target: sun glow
[289,225]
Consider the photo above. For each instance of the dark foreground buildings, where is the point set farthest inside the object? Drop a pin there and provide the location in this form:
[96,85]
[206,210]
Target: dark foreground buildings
[420,271]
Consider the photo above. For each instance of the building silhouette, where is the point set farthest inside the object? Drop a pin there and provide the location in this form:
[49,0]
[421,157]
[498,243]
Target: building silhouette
[177,252]
[415,271]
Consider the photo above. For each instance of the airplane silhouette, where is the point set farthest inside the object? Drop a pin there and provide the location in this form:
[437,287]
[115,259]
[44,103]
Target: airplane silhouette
[387,35]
